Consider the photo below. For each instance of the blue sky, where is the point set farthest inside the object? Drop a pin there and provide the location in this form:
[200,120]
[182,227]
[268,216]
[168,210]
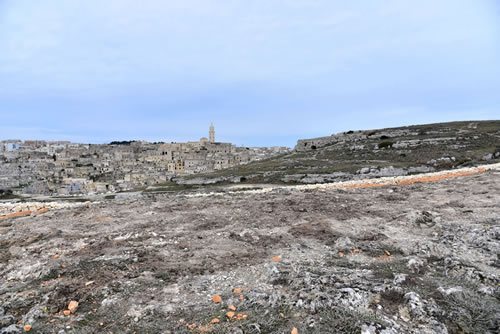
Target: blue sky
[266,72]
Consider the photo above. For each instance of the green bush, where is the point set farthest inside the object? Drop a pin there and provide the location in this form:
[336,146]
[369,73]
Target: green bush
[385,144]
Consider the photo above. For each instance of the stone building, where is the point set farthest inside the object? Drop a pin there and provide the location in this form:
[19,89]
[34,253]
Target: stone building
[69,168]
[211,133]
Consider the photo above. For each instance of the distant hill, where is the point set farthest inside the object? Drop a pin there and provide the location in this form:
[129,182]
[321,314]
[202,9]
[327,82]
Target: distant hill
[370,153]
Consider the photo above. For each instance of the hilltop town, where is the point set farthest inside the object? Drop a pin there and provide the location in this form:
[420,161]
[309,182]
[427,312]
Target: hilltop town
[374,231]
[61,167]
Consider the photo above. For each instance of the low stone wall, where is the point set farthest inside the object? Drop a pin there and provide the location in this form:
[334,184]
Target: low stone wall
[10,209]
[374,182]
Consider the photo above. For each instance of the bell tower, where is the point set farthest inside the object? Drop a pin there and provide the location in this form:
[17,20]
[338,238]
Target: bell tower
[211,134]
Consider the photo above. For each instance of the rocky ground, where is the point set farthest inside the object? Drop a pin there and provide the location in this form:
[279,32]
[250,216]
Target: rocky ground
[416,258]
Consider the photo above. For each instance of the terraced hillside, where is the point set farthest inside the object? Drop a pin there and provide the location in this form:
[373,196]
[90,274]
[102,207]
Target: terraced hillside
[370,153]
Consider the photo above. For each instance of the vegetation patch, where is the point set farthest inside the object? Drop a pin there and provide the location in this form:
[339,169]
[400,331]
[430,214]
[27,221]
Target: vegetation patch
[385,144]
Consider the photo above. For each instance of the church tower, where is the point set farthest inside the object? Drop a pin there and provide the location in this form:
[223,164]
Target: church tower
[211,134]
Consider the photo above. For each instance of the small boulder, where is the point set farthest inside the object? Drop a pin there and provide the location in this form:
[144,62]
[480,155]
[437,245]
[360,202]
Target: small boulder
[216,299]
[12,329]
[343,243]
[73,306]
[415,264]
[488,156]
[6,320]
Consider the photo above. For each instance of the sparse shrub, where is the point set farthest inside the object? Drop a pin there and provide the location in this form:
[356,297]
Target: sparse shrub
[7,194]
[384,137]
[464,161]
[472,313]
[339,320]
[385,144]
[391,299]
[386,270]
[344,263]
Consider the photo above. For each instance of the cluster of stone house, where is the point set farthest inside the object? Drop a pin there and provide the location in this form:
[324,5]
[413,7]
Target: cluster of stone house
[41,167]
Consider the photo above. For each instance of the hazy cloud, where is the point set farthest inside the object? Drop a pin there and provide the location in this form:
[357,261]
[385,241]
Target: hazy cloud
[270,69]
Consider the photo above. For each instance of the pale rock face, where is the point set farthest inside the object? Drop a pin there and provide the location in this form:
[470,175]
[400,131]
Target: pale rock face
[450,291]
[16,251]
[12,329]
[343,243]
[399,278]
[415,304]
[365,329]
[364,170]
[488,156]
[415,264]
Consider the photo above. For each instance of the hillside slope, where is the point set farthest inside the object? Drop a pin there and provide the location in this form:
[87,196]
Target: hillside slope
[370,153]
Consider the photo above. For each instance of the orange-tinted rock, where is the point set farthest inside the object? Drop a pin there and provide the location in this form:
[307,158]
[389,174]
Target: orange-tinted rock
[73,306]
[67,312]
[215,321]
[230,315]
[276,259]
[27,328]
[216,299]
[236,291]
[232,308]
[16,214]
[295,331]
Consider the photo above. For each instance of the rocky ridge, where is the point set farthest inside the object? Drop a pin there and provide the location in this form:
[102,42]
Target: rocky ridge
[364,154]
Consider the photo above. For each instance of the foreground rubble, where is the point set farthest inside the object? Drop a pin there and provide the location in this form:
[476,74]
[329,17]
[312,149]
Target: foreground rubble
[406,258]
